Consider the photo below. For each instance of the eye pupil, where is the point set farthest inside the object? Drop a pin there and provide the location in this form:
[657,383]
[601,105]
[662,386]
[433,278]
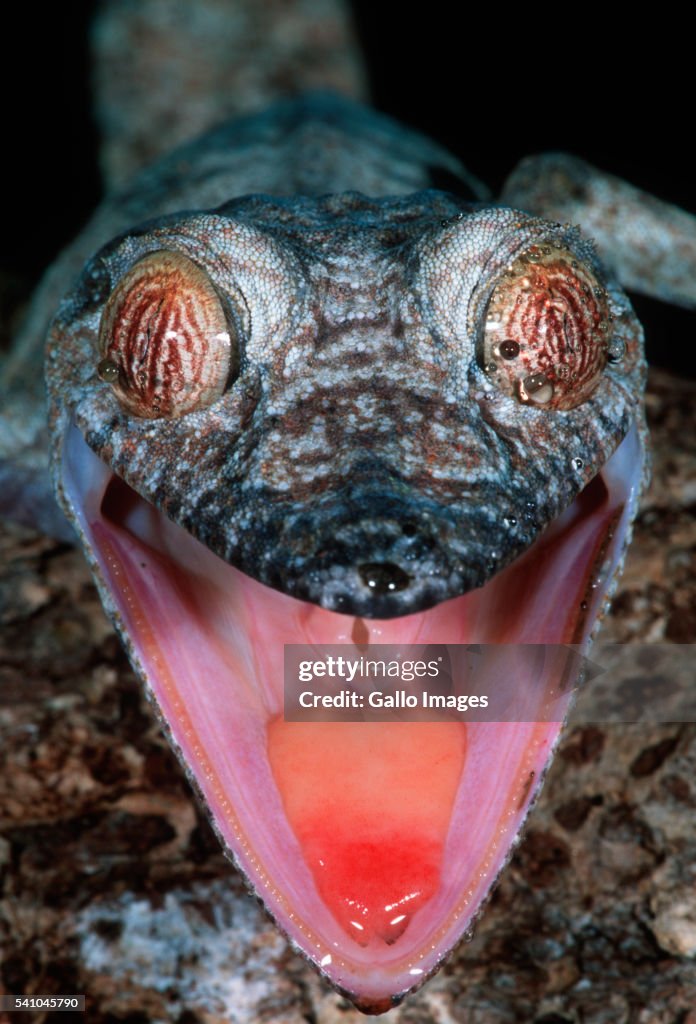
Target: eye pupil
[509,349]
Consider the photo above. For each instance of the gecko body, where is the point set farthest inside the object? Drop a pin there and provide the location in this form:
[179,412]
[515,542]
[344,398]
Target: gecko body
[299,395]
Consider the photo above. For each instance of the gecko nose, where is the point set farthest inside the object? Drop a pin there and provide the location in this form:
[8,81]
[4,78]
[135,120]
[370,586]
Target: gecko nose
[383,577]
[376,566]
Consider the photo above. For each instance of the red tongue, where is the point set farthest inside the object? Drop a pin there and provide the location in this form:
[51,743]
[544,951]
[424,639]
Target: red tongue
[370,803]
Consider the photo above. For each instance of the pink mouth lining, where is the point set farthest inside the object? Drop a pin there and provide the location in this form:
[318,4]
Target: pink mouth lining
[209,643]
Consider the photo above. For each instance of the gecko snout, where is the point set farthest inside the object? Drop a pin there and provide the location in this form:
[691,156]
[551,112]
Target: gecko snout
[377,566]
[383,577]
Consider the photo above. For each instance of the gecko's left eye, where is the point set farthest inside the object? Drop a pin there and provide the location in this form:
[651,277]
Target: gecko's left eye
[165,339]
[546,329]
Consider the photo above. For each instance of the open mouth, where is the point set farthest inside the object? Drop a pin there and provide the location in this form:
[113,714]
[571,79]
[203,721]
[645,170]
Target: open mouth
[373,844]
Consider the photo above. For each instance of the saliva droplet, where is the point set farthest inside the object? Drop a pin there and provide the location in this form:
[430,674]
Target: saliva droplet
[616,349]
[536,388]
[108,371]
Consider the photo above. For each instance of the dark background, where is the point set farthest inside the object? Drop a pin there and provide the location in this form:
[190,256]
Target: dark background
[492,90]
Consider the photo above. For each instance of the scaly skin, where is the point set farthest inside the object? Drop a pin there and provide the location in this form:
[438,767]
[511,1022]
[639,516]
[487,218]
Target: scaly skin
[362,403]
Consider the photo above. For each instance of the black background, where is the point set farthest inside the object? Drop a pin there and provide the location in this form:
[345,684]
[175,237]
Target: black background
[492,88]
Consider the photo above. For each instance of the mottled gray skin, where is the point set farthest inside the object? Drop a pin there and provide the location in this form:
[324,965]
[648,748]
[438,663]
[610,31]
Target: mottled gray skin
[362,459]
[301,148]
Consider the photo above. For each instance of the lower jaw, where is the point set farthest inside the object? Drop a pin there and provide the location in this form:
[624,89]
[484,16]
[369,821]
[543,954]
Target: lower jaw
[372,844]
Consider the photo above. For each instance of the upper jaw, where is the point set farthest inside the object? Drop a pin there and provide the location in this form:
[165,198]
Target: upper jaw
[367,534]
[584,541]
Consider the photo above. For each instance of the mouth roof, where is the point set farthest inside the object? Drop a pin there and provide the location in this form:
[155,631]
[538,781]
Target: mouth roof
[373,844]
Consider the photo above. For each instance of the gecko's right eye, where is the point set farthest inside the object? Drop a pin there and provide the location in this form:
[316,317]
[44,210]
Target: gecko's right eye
[166,342]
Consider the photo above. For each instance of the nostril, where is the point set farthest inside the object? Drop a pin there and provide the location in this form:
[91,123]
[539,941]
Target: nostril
[383,577]
[409,528]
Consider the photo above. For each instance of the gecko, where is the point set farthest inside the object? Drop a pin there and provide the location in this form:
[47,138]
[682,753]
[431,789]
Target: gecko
[387,566]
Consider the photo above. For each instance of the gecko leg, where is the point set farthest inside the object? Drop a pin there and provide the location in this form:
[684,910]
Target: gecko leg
[650,244]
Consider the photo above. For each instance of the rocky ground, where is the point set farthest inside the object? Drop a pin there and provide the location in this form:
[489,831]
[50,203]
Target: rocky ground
[112,883]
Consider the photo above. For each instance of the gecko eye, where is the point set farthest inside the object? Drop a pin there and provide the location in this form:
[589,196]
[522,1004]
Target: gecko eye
[545,334]
[166,344]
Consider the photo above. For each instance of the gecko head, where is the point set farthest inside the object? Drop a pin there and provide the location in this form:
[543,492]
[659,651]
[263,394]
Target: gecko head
[419,419]
[371,405]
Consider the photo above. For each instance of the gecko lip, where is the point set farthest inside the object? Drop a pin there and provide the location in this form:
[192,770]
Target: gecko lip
[372,845]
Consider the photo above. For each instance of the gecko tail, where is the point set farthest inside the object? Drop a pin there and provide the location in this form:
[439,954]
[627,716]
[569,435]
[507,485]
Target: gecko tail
[165,71]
